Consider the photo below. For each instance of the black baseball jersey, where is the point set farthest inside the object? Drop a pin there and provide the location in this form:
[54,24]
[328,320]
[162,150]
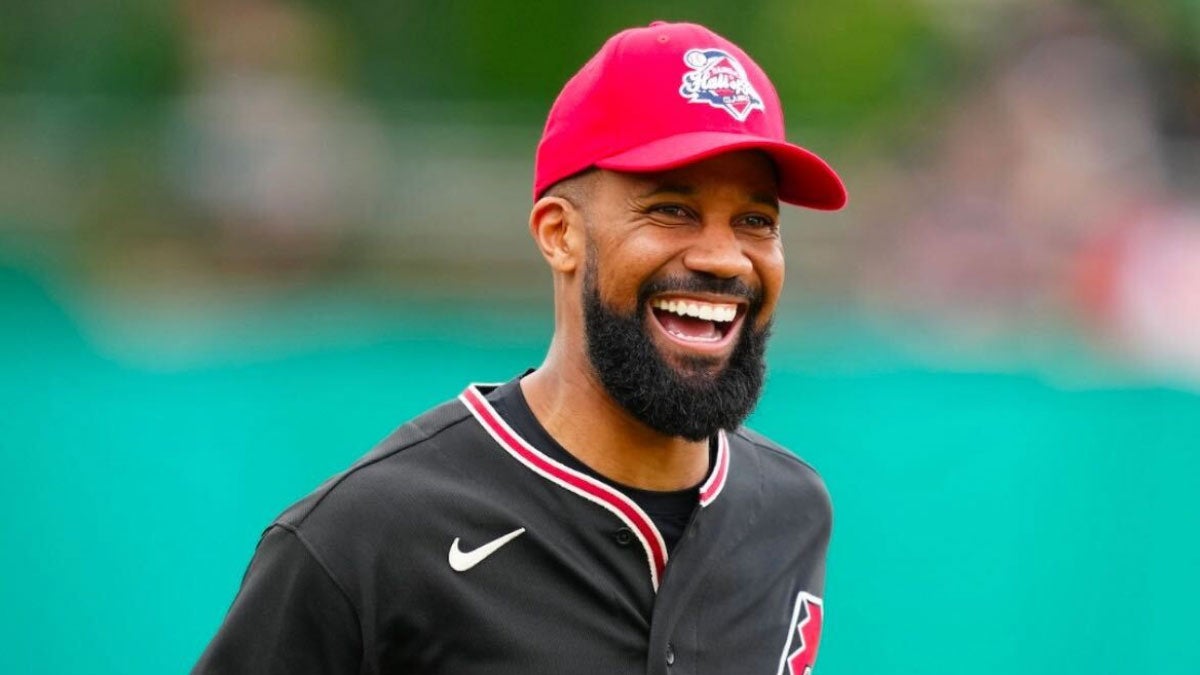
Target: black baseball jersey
[456,547]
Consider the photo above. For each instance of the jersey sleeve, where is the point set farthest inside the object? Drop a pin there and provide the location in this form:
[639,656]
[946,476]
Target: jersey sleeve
[289,616]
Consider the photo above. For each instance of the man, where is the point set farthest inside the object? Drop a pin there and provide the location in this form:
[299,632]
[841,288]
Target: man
[604,513]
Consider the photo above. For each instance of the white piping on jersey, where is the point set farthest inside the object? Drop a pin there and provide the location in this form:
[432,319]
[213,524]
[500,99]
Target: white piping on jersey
[589,488]
[716,480]
[584,486]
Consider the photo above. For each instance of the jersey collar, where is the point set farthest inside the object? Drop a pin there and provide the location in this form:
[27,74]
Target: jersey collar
[588,487]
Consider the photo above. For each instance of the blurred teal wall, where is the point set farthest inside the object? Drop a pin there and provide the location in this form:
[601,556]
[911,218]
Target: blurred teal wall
[985,522]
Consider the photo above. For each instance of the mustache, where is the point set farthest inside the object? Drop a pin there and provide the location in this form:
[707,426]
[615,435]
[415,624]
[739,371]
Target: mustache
[701,283]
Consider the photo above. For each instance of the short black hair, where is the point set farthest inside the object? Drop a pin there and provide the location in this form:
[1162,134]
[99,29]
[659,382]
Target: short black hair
[576,188]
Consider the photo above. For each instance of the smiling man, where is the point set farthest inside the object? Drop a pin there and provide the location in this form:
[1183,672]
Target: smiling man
[605,512]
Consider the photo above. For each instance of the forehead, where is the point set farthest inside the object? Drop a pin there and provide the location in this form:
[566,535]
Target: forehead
[749,175]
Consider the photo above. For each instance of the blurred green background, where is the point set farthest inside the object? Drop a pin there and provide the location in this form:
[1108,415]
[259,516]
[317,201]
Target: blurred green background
[241,241]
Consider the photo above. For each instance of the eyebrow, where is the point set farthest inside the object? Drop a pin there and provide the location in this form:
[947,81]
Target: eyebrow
[670,188]
[764,198]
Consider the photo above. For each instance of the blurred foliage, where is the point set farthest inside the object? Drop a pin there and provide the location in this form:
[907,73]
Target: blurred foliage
[835,64]
[67,47]
[838,65]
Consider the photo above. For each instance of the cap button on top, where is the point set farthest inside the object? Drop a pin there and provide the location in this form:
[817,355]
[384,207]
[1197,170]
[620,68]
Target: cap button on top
[662,38]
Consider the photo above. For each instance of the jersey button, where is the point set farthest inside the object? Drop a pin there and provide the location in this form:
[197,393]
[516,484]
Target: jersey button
[623,536]
[670,654]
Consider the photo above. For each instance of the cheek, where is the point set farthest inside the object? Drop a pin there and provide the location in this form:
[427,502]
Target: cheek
[770,267]
[625,270]
[620,286]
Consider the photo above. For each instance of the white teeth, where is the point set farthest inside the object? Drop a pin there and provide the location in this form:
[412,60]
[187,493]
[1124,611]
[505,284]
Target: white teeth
[708,311]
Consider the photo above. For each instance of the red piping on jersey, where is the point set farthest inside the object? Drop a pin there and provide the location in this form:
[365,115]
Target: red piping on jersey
[589,488]
[716,481]
[584,486]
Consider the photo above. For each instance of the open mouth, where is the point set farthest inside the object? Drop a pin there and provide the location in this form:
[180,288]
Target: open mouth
[696,322]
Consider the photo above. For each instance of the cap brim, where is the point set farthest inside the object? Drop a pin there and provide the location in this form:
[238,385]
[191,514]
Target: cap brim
[804,178]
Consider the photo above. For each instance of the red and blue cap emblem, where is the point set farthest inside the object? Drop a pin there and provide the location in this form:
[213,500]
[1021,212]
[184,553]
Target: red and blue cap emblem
[716,78]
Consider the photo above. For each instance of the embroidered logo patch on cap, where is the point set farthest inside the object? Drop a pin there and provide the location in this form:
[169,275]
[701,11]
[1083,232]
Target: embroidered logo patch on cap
[716,78]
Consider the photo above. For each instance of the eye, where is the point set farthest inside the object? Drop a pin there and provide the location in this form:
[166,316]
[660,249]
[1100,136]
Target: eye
[671,211]
[760,223]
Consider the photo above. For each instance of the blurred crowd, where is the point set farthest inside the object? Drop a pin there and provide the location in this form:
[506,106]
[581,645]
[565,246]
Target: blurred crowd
[1057,195]
[1032,178]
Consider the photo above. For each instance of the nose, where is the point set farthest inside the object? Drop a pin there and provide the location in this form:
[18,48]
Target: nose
[717,251]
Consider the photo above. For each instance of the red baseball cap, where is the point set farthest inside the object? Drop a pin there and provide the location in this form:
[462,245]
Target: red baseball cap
[667,95]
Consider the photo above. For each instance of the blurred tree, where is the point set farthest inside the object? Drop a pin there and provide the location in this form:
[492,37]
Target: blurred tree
[837,65]
[843,68]
[64,47]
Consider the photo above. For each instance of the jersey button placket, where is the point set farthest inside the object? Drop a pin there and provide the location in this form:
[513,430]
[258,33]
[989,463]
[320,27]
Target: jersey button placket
[623,536]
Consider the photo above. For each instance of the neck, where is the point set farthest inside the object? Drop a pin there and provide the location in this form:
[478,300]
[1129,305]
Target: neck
[577,411]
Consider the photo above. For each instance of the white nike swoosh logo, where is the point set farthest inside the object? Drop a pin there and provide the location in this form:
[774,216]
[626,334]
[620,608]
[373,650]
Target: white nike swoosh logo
[461,561]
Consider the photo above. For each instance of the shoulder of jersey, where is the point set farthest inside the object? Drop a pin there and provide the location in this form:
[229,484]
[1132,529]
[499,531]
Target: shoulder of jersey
[405,445]
[783,468]
[774,452]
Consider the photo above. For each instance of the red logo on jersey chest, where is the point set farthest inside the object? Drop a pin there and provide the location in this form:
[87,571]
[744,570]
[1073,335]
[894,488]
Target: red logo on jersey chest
[809,615]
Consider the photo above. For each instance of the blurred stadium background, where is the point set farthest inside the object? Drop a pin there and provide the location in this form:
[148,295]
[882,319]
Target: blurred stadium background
[241,240]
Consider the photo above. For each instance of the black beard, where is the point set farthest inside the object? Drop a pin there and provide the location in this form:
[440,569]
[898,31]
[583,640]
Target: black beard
[691,404]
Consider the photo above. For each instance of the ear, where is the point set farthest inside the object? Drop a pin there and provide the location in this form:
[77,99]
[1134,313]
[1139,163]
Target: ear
[557,229]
